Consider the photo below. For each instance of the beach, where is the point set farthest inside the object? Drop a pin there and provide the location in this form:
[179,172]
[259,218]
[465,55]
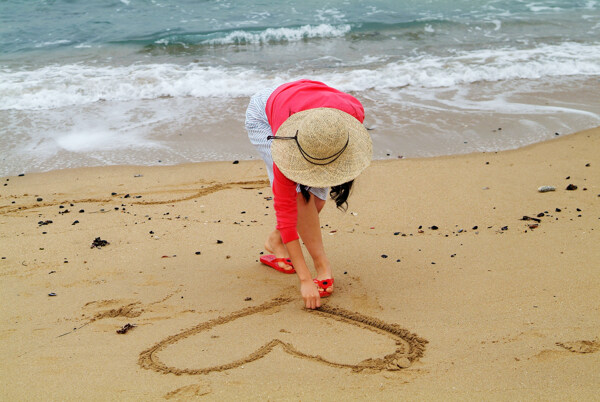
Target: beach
[455,279]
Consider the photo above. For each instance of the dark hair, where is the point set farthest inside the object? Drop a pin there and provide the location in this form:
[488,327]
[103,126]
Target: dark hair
[339,194]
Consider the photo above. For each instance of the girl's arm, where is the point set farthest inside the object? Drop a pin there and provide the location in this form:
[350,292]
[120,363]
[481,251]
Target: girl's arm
[286,211]
[309,291]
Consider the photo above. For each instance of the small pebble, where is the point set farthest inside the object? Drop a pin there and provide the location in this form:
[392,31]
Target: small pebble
[198,253]
[236,162]
[219,241]
[52,294]
[247,299]
[504,227]
[384,256]
[558,209]
[39,199]
[571,187]
[434,227]
[475,227]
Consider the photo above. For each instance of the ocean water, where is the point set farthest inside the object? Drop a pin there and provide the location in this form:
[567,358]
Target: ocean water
[147,82]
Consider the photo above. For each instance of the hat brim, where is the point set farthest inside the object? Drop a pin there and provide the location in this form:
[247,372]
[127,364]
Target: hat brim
[354,159]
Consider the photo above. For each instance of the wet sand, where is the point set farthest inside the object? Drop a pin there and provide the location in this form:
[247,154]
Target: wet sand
[443,291]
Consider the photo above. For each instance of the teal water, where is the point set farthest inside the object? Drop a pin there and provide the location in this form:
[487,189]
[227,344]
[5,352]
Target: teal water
[137,81]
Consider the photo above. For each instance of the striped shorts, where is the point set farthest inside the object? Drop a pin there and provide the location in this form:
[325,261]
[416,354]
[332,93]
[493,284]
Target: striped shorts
[258,127]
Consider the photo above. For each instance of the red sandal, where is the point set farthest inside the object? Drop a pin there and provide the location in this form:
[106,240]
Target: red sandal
[323,285]
[273,262]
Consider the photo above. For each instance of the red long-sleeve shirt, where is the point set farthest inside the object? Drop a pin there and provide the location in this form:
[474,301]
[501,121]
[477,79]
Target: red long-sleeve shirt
[286,100]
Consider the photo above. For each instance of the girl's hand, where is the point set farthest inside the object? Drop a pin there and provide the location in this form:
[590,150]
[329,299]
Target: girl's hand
[310,294]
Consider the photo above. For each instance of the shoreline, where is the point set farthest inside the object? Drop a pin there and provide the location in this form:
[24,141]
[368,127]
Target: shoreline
[388,157]
[433,253]
[412,122]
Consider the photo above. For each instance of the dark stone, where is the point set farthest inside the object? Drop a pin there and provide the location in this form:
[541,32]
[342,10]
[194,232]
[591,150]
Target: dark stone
[434,227]
[504,228]
[236,162]
[396,233]
[198,253]
[22,174]
[247,299]
[98,243]
[219,241]
[39,199]
[540,214]
[81,211]
[113,193]
[571,187]
[384,256]
[74,223]
[475,227]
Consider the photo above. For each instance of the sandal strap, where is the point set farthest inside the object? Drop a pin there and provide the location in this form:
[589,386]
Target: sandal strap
[324,284]
[286,260]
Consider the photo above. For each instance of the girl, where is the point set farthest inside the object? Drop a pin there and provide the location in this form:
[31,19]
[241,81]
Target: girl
[311,138]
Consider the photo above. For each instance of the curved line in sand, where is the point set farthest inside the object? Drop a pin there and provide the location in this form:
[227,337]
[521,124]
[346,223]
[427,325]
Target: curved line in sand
[247,185]
[409,346]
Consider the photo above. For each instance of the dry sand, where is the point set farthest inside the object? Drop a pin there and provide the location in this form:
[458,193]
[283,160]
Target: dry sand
[453,313]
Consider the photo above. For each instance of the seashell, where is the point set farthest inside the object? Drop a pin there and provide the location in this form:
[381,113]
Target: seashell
[545,189]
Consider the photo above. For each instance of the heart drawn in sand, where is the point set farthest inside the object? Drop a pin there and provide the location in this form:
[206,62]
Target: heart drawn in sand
[408,346]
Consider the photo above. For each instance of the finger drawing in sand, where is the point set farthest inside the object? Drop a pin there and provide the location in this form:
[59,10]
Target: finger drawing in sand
[401,347]
[313,142]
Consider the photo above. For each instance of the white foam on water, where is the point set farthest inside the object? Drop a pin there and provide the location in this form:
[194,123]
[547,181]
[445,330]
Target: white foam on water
[53,43]
[281,34]
[57,86]
[94,139]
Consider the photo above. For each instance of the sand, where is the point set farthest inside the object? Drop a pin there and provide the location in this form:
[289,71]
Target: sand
[442,290]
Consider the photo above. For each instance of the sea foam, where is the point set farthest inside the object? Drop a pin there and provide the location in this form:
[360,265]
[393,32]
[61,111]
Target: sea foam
[57,86]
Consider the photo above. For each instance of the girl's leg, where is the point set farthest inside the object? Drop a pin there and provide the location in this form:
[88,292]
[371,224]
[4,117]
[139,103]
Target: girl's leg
[309,229]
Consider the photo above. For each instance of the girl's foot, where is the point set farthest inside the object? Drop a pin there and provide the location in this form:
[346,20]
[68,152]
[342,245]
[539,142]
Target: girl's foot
[324,286]
[324,274]
[275,246]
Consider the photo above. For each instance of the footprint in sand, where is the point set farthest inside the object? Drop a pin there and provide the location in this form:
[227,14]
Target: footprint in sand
[256,331]
[190,391]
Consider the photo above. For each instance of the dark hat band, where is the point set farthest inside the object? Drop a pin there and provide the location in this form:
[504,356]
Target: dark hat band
[308,157]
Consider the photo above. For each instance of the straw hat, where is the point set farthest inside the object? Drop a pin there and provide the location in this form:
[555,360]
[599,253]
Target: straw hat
[321,147]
